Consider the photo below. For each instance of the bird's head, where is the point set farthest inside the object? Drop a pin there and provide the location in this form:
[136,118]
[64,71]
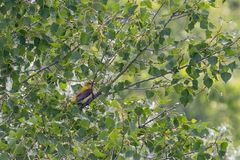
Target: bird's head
[88,84]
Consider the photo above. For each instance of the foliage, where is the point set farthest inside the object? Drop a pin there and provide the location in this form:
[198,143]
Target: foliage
[49,47]
[220,106]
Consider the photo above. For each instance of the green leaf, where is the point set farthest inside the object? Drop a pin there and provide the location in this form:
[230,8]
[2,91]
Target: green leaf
[213,60]
[204,24]
[156,72]
[115,7]
[207,81]
[197,145]
[132,9]
[84,123]
[186,97]
[18,134]
[129,153]
[3,25]
[223,149]
[223,146]
[42,139]
[85,38]
[44,12]
[125,55]
[138,111]
[109,122]
[136,156]
[22,40]
[196,57]
[149,94]
[54,27]
[4,156]
[232,66]
[119,86]
[61,149]
[147,3]
[144,14]
[76,56]
[192,72]
[111,34]
[37,41]
[106,89]
[226,76]
[119,66]
[99,154]
[68,74]
[191,26]
[176,122]
[85,69]
[230,51]
[195,84]
[19,149]
[201,156]
[3,146]
[175,80]
[115,134]
[63,85]
[165,32]
[5,107]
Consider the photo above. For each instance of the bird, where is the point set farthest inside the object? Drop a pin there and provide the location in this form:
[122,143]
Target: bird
[85,92]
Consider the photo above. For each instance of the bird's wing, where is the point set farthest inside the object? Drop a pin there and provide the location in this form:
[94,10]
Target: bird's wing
[82,95]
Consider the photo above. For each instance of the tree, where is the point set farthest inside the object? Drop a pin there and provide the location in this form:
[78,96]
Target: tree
[50,47]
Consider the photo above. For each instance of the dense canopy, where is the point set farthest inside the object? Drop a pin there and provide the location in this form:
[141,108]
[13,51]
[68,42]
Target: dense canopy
[146,60]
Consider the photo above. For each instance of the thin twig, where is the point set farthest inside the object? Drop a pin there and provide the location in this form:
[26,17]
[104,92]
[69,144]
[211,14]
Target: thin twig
[179,68]
[142,50]
[39,71]
[158,11]
[158,115]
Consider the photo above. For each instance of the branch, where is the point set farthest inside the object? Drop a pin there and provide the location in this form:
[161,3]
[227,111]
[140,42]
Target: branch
[126,68]
[156,117]
[172,17]
[174,14]
[145,48]
[179,68]
[103,56]
[39,71]
[150,88]
[158,10]
[50,65]
[185,155]
[87,139]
